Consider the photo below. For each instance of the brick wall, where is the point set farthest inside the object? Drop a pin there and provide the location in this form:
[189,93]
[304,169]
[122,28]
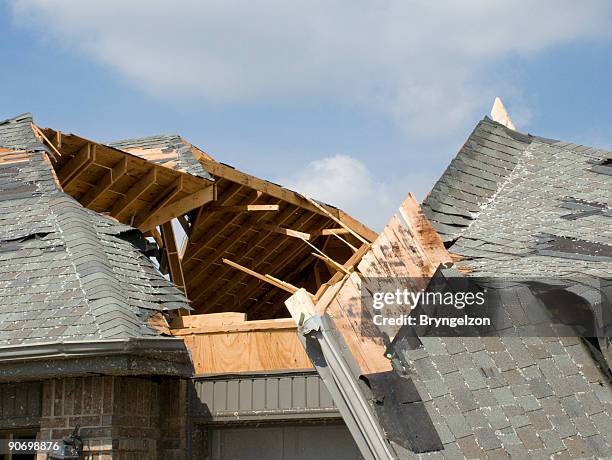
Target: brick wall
[120,418]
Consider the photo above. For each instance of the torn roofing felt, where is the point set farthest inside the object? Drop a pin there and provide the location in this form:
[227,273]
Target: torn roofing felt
[169,150]
[67,273]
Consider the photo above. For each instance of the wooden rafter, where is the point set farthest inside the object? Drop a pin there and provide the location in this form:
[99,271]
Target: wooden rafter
[174,261]
[109,179]
[285,231]
[136,191]
[201,243]
[178,207]
[143,219]
[227,246]
[266,278]
[333,231]
[336,219]
[202,218]
[273,265]
[218,169]
[244,208]
[71,170]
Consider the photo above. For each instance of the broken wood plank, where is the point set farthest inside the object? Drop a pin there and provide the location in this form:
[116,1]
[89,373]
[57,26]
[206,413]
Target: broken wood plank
[333,231]
[330,263]
[267,278]
[336,219]
[285,231]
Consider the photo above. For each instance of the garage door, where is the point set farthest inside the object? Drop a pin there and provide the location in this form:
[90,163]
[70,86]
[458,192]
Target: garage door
[284,442]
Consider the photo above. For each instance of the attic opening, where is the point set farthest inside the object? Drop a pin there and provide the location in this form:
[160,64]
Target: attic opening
[231,241]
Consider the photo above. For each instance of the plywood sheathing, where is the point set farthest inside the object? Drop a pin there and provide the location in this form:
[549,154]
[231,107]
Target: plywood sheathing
[226,343]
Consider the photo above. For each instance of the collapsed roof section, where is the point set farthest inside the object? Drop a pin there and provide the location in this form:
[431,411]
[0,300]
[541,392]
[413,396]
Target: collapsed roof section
[255,225]
[68,274]
[235,223]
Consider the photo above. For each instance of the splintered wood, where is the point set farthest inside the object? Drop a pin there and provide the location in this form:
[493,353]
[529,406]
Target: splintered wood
[404,249]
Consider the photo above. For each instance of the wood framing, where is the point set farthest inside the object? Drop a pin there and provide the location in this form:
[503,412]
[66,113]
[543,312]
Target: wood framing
[129,188]
[244,208]
[174,261]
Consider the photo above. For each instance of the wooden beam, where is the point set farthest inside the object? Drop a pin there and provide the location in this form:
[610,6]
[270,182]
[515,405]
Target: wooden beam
[277,262]
[148,214]
[266,278]
[227,172]
[179,207]
[353,248]
[77,164]
[244,208]
[181,219]
[226,247]
[321,255]
[198,243]
[40,134]
[336,219]
[157,237]
[333,231]
[285,231]
[174,262]
[109,179]
[135,191]
[330,263]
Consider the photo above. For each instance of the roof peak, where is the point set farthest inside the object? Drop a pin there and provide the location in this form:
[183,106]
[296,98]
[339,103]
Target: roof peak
[500,114]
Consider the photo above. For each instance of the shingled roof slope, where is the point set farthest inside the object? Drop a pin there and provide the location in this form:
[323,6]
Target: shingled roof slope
[551,217]
[544,212]
[514,397]
[170,150]
[67,273]
[473,177]
[16,133]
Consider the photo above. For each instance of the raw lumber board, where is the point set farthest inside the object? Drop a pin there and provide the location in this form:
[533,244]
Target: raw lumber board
[429,240]
[243,347]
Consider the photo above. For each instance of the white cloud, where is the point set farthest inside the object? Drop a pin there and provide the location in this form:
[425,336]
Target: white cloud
[423,63]
[347,183]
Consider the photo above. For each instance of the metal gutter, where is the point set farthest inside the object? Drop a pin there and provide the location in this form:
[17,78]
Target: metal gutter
[338,369]
[99,348]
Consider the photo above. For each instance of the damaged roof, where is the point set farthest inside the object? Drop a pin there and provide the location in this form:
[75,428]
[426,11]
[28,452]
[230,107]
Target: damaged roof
[169,150]
[473,177]
[544,211]
[516,205]
[67,273]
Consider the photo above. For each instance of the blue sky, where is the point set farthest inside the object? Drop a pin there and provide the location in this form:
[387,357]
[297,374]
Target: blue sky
[353,103]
